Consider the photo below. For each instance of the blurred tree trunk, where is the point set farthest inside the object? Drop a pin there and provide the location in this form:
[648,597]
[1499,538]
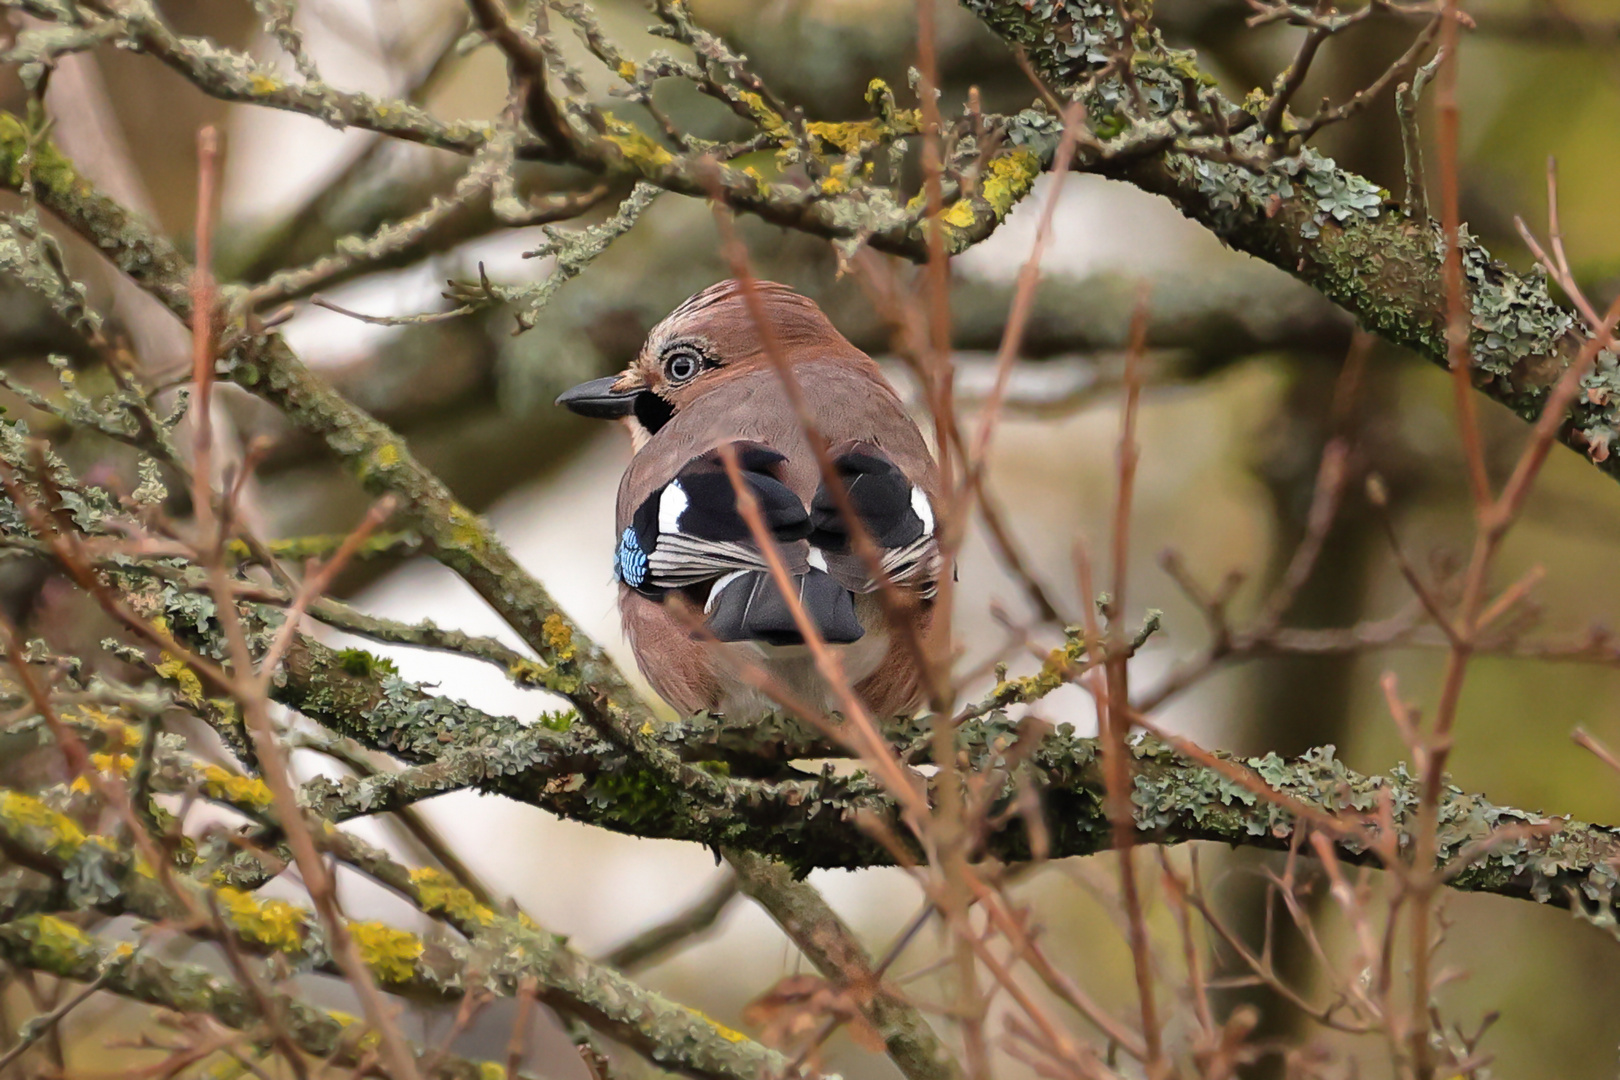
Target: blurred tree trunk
[1301,702]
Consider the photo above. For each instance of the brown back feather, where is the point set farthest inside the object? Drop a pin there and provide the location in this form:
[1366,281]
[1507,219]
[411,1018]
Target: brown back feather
[850,402]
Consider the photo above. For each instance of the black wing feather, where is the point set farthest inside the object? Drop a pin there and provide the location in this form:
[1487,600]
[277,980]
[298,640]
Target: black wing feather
[895,513]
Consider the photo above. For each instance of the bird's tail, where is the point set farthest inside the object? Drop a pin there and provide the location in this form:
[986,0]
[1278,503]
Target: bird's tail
[746,605]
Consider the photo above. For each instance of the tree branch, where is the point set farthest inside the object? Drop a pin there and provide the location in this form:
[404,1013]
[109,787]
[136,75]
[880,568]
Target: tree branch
[810,923]
[53,945]
[501,953]
[813,823]
[1329,227]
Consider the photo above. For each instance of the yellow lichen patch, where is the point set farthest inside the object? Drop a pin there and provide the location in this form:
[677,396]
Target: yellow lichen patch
[20,812]
[184,679]
[851,136]
[120,764]
[438,892]
[959,215]
[1009,179]
[559,636]
[368,1040]
[384,457]
[847,136]
[56,937]
[275,924]
[637,146]
[225,786]
[526,672]
[488,1070]
[627,71]
[264,84]
[119,733]
[466,531]
[833,183]
[226,708]
[720,1029]
[769,119]
[1060,665]
[391,954]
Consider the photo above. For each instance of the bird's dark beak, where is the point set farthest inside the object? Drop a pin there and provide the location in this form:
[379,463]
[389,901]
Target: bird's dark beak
[598,400]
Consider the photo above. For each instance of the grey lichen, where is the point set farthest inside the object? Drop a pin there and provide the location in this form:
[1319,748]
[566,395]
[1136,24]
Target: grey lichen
[813,822]
[1301,212]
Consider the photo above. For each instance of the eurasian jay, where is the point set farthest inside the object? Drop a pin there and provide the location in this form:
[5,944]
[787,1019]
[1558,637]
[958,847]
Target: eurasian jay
[703,380]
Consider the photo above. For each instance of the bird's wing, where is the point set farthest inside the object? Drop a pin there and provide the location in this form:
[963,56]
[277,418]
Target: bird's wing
[690,530]
[895,512]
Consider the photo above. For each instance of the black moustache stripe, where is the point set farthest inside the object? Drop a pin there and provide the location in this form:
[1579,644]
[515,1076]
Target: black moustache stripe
[653,411]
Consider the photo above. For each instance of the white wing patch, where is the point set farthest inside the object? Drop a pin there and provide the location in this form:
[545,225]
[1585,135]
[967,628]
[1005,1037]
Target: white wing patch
[672,504]
[678,560]
[920,507]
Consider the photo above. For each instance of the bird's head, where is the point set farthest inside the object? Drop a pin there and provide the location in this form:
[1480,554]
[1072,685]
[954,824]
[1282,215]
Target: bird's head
[712,337]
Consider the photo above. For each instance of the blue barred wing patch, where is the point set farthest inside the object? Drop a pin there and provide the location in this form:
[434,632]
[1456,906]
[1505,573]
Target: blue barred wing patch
[629,561]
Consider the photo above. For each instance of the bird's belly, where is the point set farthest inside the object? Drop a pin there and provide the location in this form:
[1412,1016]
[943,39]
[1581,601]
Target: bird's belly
[793,667]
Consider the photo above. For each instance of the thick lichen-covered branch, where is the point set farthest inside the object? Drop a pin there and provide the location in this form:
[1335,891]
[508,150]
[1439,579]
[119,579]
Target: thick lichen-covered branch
[811,822]
[1302,213]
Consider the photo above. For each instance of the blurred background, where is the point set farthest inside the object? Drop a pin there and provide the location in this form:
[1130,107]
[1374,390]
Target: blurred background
[1243,367]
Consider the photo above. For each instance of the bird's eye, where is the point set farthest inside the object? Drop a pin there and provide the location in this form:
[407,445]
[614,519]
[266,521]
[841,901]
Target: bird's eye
[682,363]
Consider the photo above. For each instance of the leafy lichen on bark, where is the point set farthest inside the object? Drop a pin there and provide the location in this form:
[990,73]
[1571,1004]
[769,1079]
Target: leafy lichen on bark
[1325,225]
[1561,861]
[813,823]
